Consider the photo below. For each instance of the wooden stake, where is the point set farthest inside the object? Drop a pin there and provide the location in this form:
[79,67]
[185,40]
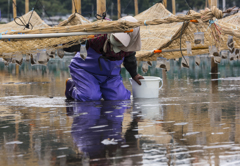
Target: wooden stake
[74,5]
[101,6]
[136,7]
[14,3]
[213,3]
[165,3]
[214,75]
[209,3]
[79,6]
[26,6]
[14,8]
[174,7]
[119,8]
[214,66]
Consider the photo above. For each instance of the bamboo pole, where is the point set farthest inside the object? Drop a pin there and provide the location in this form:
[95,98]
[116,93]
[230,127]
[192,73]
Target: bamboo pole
[50,35]
[119,8]
[14,8]
[174,7]
[165,3]
[136,6]
[101,6]
[26,6]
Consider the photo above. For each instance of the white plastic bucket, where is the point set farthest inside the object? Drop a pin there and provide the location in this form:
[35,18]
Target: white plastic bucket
[148,89]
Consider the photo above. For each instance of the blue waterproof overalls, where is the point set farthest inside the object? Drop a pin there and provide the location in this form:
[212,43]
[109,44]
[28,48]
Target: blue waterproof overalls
[91,83]
[100,123]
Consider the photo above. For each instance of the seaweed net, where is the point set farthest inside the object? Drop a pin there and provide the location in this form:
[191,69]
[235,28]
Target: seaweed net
[167,36]
[159,30]
[19,24]
[38,50]
[74,19]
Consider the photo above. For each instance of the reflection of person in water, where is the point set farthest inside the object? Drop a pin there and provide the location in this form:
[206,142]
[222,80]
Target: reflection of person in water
[96,123]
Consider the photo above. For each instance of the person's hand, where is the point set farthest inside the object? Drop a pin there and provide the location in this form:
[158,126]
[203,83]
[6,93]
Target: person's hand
[137,77]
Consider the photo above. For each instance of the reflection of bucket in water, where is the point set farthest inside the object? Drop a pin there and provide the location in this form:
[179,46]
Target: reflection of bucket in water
[148,89]
[150,109]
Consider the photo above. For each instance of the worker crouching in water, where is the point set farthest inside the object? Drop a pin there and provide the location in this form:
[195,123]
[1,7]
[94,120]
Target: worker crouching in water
[98,76]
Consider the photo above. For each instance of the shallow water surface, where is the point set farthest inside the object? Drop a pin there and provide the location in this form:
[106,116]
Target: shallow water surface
[195,120]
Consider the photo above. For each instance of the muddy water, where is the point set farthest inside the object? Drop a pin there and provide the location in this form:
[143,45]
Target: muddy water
[195,120]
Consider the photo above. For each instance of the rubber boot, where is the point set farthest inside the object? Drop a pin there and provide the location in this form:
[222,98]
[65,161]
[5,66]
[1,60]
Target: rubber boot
[69,88]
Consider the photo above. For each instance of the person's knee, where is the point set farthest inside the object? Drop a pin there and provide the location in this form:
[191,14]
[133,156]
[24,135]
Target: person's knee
[87,96]
[123,95]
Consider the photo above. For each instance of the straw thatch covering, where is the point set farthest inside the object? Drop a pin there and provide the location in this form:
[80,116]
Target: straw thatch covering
[166,36]
[33,45]
[233,19]
[159,30]
[74,19]
[35,23]
[231,24]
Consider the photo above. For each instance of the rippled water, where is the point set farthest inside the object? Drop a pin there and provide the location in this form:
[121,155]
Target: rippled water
[195,120]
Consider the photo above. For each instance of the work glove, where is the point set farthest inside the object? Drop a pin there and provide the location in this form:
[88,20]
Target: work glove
[137,77]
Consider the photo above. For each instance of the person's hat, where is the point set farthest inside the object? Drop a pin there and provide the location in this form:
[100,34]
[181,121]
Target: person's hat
[131,41]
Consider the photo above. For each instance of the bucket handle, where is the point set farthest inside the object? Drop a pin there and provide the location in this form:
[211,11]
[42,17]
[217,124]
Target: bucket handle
[130,80]
[162,84]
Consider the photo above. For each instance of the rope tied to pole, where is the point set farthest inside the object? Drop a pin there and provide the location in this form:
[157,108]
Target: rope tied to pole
[208,14]
[101,17]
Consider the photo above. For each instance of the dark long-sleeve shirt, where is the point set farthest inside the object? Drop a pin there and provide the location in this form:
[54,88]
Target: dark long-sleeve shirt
[130,62]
